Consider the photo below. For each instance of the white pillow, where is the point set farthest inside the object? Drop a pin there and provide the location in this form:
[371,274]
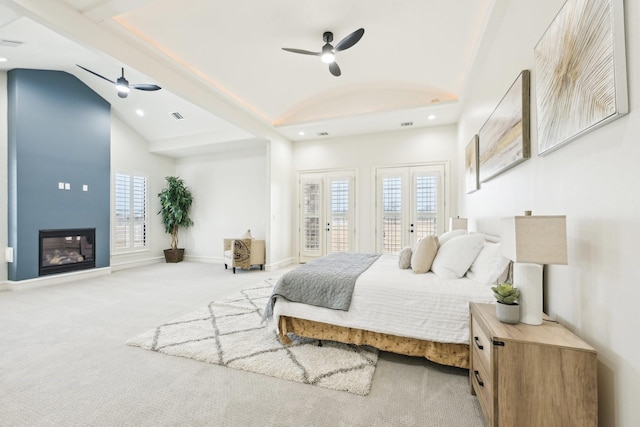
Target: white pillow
[404,260]
[456,255]
[445,237]
[424,254]
[489,264]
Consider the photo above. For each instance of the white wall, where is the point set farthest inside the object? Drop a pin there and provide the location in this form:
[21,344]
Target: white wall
[366,152]
[129,153]
[593,181]
[4,138]
[280,187]
[229,193]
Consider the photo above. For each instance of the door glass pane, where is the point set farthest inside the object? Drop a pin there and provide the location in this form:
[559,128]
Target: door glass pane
[391,215]
[340,216]
[311,205]
[426,199]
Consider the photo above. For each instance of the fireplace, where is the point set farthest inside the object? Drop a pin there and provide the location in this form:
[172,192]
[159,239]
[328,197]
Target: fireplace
[67,250]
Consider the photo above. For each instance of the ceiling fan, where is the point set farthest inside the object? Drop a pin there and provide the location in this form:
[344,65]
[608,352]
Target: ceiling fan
[328,53]
[122,84]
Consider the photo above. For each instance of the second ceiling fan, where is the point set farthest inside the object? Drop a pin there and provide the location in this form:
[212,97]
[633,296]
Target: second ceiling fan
[328,51]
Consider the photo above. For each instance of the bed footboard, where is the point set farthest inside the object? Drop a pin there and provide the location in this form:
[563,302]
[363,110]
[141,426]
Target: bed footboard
[443,353]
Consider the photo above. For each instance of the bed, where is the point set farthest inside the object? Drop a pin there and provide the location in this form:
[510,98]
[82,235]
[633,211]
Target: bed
[397,310]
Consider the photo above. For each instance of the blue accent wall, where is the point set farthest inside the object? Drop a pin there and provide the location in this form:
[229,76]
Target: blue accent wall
[59,131]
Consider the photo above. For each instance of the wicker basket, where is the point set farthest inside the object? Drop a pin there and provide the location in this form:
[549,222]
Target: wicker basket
[171,255]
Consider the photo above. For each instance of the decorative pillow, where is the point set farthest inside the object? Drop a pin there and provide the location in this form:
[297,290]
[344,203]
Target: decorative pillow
[489,265]
[456,256]
[404,261]
[247,235]
[445,237]
[424,254]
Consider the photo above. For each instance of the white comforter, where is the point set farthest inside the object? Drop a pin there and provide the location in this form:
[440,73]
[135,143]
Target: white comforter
[399,302]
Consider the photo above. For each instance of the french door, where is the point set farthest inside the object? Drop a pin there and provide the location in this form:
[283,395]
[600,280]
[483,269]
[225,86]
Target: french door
[326,218]
[410,204]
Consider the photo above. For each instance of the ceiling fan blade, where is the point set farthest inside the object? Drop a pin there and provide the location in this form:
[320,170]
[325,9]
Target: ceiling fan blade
[96,74]
[304,52]
[350,40]
[148,87]
[335,70]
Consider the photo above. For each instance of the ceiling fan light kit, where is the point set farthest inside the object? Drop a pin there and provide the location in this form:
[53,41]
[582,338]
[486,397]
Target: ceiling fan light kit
[122,84]
[328,53]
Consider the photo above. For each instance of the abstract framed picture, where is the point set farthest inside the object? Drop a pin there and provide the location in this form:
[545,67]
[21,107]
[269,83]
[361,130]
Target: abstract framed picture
[580,68]
[505,138]
[471,165]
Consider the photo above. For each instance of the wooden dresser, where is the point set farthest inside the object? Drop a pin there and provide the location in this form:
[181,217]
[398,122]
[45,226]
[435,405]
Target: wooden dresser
[528,375]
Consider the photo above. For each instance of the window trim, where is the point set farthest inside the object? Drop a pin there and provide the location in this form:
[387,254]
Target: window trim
[114,221]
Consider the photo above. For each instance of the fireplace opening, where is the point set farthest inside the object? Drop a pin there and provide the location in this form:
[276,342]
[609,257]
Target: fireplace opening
[67,250]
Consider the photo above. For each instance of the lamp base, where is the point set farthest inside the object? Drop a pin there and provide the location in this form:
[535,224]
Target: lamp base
[528,278]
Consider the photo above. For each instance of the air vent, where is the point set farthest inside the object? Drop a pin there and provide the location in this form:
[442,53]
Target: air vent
[403,124]
[10,43]
[323,133]
[177,115]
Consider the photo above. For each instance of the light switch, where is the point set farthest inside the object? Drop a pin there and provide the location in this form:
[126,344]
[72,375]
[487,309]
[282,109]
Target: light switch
[67,186]
[8,254]
[85,187]
[61,186]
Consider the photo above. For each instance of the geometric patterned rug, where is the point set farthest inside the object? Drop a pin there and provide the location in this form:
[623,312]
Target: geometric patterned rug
[229,332]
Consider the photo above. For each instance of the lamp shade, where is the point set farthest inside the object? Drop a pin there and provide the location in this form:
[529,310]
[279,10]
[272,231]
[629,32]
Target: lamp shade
[535,239]
[457,223]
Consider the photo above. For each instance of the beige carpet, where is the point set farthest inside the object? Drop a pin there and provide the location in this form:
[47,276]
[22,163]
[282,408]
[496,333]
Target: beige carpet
[63,362]
[229,332]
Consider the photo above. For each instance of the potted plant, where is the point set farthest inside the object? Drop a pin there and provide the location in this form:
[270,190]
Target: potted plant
[507,308]
[175,201]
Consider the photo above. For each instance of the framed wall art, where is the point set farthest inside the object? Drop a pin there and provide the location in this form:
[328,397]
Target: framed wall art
[471,165]
[580,69]
[505,138]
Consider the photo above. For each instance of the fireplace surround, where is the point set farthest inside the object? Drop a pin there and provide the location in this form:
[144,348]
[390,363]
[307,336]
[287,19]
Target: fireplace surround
[66,250]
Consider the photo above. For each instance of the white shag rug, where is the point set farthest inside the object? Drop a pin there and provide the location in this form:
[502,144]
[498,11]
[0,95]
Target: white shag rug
[229,333]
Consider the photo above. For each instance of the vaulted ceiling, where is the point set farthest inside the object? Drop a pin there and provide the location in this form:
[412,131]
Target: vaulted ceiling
[221,65]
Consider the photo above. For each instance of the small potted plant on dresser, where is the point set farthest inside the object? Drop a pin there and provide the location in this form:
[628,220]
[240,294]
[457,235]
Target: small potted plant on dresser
[175,202]
[507,308]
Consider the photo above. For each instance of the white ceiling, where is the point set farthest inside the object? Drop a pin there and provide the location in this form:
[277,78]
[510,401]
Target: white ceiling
[222,67]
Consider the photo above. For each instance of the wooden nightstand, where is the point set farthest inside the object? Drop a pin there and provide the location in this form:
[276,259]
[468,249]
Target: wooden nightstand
[531,375]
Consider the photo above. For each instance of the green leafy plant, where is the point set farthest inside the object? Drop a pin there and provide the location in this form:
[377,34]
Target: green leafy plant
[175,202]
[506,293]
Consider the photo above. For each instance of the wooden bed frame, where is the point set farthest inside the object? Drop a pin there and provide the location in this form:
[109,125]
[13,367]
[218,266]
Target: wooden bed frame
[449,354]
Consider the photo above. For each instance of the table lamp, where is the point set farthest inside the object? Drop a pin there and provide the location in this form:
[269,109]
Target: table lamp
[532,241]
[457,223]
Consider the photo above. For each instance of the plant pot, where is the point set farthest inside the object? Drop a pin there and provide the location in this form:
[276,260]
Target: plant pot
[508,313]
[173,255]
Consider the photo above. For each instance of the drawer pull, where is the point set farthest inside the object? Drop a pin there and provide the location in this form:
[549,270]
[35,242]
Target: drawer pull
[477,341]
[477,374]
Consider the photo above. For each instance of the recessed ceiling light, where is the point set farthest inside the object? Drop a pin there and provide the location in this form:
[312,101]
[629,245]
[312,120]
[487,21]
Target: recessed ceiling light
[2,59]
[140,112]
[431,117]
[301,133]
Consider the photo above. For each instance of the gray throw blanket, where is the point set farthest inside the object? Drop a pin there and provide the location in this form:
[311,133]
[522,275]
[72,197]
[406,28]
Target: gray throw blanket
[324,282]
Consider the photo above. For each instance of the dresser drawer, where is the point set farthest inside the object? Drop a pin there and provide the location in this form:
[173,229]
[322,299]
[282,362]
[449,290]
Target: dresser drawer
[481,344]
[482,384]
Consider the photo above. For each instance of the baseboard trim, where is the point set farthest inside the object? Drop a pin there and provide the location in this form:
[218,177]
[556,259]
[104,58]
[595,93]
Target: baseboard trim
[57,279]
[279,264]
[136,263]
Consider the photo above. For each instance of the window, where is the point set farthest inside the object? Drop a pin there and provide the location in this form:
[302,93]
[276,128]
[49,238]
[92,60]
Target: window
[130,227]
